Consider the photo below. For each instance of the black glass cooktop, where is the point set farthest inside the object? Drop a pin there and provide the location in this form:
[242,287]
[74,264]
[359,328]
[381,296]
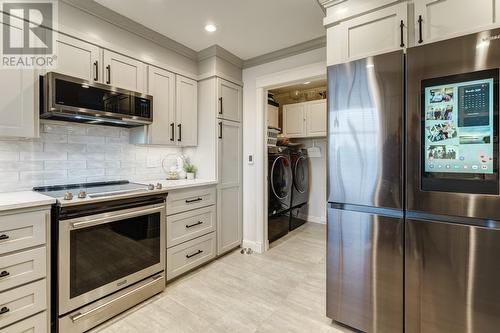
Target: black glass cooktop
[91,189]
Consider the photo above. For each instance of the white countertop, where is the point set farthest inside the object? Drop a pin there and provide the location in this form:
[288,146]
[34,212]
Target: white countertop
[23,199]
[170,185]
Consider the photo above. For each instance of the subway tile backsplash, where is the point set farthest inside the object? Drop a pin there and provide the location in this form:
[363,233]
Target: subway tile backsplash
[75,153]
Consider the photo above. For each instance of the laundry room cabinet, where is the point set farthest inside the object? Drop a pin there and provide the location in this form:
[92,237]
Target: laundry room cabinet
[303,120]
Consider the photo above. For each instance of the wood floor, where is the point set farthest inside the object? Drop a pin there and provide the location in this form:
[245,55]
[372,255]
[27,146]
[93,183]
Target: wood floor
[282,290]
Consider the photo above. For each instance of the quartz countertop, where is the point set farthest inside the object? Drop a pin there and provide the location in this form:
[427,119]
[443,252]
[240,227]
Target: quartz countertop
[23,199]
[169,185]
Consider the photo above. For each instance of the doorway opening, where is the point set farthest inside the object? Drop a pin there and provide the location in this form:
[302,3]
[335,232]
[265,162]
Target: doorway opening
[295,156]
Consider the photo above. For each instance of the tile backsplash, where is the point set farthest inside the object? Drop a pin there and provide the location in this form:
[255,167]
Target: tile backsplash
[74,153]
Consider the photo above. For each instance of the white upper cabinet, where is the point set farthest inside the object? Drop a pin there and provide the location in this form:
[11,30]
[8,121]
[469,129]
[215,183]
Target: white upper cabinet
[186,113]
[304,120]
[230,100]
[18,108]
[272,116]
[440,19]
[294,120]
[161,85]
[78,59]
[123,72]
[316,118]
[377,32]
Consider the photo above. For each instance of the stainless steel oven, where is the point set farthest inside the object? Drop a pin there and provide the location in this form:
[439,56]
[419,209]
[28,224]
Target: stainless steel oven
[106,253]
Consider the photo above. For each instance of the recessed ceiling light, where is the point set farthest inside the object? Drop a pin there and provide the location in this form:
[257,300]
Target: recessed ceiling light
[210,28]
[307,82]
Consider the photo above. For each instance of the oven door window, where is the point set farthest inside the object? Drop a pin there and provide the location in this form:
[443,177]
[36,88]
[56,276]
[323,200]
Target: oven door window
[109,252]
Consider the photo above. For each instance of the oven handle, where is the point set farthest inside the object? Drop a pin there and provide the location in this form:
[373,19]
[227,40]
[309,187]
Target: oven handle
[80,315]
[116,217]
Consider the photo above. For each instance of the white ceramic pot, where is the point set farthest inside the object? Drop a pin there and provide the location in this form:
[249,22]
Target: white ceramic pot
[190,175]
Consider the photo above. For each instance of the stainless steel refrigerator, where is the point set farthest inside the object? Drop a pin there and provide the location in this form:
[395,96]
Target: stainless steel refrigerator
[414,205]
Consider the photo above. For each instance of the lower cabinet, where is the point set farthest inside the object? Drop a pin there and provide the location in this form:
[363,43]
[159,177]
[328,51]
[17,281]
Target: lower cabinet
[189,255]
[191,229]
[24,274]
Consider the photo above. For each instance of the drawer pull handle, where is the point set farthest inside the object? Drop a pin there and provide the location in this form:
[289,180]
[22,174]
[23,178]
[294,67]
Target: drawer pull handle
[194,254]
[193,225]
[4,310]
[4,274]
[4,237]
[194,200]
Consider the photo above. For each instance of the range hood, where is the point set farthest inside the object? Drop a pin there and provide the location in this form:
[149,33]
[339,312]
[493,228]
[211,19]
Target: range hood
[68,98]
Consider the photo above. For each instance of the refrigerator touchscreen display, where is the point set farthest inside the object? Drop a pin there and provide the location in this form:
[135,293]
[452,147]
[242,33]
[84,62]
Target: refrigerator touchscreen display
[459,133]
[458,127]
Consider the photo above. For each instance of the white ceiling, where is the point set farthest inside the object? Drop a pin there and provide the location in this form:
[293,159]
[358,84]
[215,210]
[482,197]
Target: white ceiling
[247,28]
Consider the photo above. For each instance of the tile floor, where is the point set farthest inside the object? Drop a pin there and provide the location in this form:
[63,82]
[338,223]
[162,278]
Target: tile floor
[282,290]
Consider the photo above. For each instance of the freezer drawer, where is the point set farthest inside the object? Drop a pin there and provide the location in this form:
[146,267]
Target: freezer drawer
[452,275]
[365,271]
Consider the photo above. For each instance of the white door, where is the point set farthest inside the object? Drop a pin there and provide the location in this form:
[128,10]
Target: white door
[18,109]
[381,31]
[316,118]
[272,116]
[229,195]
[161,85]
[123,72]
[78,59]
[440,19]
[230,101]
[294,120]
[186,113]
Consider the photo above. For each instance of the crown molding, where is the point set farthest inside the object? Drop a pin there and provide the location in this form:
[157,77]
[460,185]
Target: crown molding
[286,52]
[93,8]
[220,52]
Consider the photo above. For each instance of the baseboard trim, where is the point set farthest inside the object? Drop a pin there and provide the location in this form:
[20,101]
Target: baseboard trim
[313,219]
[255,246]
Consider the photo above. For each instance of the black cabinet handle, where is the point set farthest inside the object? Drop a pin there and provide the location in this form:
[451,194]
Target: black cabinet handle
[172,134]
[220,110]
[4,274]
[194,200]
[420,20]
[96,68]
[4,310]
[220,129]
[108,69]
[401,26]
[4,237]
[180,132]
[193,225]
[194,254]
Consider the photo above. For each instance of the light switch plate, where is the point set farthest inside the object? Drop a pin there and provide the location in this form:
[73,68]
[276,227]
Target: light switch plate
[250,159]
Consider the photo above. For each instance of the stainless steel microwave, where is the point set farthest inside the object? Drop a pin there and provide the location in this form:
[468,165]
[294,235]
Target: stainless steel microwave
[68,98]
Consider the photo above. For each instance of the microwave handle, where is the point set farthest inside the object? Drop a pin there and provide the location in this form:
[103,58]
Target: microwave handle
[116,217]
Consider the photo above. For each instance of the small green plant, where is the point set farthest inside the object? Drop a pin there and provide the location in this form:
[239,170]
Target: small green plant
[190,168]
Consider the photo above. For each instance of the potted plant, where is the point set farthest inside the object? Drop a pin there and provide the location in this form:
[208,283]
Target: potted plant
[190,170]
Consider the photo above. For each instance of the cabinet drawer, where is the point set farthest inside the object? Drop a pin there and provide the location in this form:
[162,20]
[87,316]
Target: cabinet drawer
[35,324]
[184,257]
[188,199]
[186,226]
[23,302]
[22,267]
[20,231]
